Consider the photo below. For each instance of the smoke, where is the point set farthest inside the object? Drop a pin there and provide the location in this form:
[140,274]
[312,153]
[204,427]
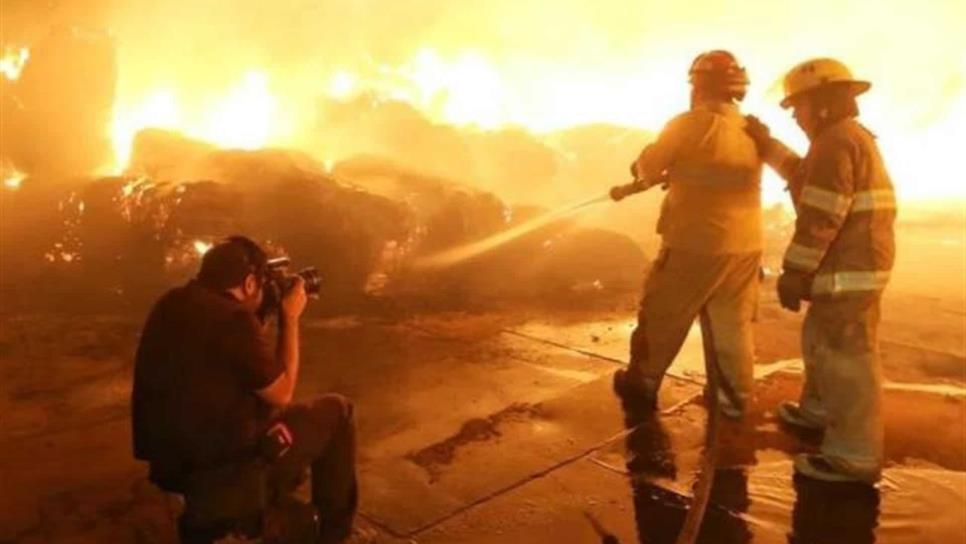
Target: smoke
[540,102]
[543,65]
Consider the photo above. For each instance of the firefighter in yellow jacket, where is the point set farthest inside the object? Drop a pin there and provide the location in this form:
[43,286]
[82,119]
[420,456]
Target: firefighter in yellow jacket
[710,225]
[839,259]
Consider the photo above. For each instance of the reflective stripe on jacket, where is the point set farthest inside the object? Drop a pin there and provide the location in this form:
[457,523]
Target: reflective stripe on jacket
[846,208]
[713,173]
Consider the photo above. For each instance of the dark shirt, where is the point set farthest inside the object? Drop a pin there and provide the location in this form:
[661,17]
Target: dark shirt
[201,358]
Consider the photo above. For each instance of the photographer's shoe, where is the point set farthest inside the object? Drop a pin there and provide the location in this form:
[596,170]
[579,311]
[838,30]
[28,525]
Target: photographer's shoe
[635,396]
[792,414]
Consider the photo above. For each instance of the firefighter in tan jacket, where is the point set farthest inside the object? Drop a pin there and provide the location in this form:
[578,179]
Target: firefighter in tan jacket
[710,225]
[839,259]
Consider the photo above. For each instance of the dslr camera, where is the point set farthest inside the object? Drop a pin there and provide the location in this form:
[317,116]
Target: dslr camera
[278,280]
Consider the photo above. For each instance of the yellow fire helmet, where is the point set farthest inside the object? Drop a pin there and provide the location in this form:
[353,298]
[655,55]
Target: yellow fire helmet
[816,73]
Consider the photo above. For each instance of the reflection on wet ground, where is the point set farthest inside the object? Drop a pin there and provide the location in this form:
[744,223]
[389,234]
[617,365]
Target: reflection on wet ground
[755,503]
[494,428]
[916,506]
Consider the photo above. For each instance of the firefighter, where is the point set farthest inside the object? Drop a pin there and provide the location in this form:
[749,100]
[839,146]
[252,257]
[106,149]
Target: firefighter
[710,226]
[839,259]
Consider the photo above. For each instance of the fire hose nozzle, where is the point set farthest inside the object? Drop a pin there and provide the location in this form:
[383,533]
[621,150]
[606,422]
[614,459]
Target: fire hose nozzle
[620,192]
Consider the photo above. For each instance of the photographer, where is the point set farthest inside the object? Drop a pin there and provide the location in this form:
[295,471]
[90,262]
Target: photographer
[210,391]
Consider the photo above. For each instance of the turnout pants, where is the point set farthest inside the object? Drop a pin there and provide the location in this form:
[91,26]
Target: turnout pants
[323,440]
[722,290]
[843,380]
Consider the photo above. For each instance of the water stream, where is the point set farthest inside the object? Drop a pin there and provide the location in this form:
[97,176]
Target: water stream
[464,252]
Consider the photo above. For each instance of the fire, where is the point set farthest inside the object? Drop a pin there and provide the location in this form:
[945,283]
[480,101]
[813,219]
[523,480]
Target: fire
[158,110]
[202,246]
[342,85]
[241,117]
[13,180]
[463,91]
[13,61]
[588,63]
[11,177]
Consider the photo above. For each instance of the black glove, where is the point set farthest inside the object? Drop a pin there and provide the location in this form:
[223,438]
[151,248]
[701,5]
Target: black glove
[793,287]
[618,192]
[759,132]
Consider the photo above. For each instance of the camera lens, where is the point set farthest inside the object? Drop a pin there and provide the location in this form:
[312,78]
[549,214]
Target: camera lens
[313,280]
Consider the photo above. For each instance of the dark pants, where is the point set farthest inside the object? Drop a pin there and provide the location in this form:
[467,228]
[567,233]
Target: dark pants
[323,440]
[721,289]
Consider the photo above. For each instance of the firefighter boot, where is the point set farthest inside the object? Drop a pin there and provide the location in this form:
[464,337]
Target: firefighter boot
[794,415]
[636,396]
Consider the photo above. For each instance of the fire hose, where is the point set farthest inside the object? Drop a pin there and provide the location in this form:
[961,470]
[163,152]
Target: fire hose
[691,527]
[709,458]
[706,470]
[620,192]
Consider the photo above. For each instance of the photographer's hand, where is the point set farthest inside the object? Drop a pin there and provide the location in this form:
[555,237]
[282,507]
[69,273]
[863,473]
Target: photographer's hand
[294,301]
[281,391]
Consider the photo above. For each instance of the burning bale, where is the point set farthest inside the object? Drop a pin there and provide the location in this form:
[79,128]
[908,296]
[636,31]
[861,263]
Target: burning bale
[547,259]
[131,235]
[510,162]
[367,125]
[365,226]
[557,262]
[448,213]
[111,240]
[163,154]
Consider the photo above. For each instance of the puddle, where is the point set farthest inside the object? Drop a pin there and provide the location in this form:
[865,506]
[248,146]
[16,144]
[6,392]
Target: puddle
[767,504]
[433,458]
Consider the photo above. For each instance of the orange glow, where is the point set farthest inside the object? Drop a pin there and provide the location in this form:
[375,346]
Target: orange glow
[241,117]
[13,61]
[12,180]
[537,64]
[342,85]
[158,110]
[467,90]
[202,246]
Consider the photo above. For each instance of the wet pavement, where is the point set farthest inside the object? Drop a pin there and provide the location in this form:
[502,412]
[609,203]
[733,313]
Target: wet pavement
[501,427]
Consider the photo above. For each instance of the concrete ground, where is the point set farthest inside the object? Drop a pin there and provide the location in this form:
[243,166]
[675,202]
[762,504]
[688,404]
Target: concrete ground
[500,426]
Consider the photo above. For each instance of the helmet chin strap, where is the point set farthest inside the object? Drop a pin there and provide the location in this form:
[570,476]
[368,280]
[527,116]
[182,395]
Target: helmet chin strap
[820,122]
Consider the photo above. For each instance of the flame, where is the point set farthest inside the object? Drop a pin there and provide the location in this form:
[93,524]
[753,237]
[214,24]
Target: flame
[342,85]
[506,64]
[13,180]
[202,246]
[13,61]
[157,110]
[474,88]
[241,117]
[467,90]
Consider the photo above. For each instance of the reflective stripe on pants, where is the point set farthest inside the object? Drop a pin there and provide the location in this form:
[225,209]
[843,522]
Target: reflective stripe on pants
[843,381]
[680,286]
